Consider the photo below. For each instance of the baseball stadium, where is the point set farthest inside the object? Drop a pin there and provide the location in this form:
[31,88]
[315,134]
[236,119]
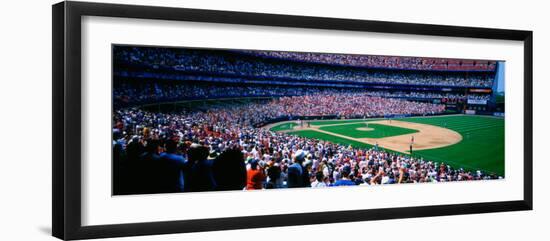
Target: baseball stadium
[194,119]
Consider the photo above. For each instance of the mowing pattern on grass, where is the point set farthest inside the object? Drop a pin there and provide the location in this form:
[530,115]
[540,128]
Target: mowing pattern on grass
[333,139]
[379,131]
[331,122]
[482,146]
[284,127]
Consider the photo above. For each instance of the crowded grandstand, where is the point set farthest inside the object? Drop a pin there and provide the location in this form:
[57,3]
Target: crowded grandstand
[187,120]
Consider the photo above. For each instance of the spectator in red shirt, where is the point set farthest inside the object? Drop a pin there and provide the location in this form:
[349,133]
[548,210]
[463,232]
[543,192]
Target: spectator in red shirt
[255,176]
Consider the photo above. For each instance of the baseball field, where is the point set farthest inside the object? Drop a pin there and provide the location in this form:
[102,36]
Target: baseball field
[462,141]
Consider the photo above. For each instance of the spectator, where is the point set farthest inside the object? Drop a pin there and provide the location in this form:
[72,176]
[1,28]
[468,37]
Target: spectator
[345,180]
[229,170]
[274,179]
[200,177]
[149,171]
[255,176]
[171,170]
[319,180]
[296,171]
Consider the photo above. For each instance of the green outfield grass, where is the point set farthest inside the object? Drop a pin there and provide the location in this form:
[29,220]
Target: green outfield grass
[284,127]
[291,125]
[330,122]
[379,131]
[334,139]
[482,146]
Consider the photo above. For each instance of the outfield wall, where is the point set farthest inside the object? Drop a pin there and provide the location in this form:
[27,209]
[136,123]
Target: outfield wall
[335,117]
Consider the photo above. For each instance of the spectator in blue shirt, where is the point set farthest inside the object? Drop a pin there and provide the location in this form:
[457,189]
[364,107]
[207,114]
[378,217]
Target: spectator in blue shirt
[345,181]
[296,171]
[171,169]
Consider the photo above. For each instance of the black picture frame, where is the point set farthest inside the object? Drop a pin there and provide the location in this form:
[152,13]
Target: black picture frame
[66,47]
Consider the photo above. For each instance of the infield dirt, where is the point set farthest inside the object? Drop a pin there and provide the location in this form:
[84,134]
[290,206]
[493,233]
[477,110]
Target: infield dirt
[427,137]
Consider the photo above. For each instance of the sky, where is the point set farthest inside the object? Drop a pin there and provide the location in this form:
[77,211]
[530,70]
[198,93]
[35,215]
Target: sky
[500,76]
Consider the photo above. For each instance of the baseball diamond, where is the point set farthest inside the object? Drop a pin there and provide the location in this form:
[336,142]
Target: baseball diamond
[188,119]
[445,138]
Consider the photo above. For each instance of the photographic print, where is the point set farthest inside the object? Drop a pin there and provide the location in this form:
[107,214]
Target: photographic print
[190,111]
[197,119]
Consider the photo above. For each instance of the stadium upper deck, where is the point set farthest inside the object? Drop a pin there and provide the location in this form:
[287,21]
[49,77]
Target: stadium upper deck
[290,68]
[383,62]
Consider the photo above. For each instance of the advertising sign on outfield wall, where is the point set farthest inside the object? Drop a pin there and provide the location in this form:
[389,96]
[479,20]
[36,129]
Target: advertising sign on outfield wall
[477,102]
